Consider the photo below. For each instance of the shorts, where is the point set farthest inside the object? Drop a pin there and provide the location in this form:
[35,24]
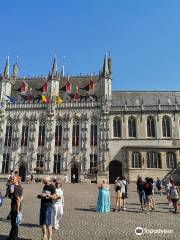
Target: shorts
[46,216]
[118,194]
[123,195]
[174,200]
[148,198]
[159,188]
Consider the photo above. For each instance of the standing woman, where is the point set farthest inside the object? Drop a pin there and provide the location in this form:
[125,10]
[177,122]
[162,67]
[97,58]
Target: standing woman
[174,195]
[117,188]
[103,203]
[58,204]
[141,193]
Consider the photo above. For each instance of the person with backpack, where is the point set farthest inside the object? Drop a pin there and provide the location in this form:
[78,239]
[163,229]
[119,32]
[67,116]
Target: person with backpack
[141,192]
[123,185]
[174,195]
[148,189]
[159,186]
[117,188]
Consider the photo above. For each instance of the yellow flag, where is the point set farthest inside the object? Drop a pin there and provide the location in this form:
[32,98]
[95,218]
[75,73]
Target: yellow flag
[58,100]
[44,99]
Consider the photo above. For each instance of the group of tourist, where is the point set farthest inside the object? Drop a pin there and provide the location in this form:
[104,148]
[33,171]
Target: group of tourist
[121,187]
[145,189]
[52,199]
[52,204]
[51,210]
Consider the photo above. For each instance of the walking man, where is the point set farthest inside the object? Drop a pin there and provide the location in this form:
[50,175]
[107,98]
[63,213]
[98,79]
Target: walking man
[16,200]
[47,196]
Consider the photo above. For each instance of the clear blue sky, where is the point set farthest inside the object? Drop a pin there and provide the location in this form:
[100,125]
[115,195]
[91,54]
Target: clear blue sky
[142,35]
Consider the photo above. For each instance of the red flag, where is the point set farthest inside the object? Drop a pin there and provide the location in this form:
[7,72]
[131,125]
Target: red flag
[24,87]
[76,96]
[45,87]
[68,86]
[91,85]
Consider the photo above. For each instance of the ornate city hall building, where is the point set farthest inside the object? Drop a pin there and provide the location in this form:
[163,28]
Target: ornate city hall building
[59,124]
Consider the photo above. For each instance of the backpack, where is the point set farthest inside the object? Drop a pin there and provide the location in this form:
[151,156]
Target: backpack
[174,193]
[158,183]
[1,200]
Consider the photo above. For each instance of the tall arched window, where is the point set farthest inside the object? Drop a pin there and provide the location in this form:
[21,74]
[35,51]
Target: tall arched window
[75,133]
[171,160]
[57,164]
[8,134]
[153,160]
[58,134]
[166,126]
[136,160]
[117,127]
[93,140]
[24,138]
[132,126]
[42,132]
[93,163]
[5,163]
[40,161]
[151,132]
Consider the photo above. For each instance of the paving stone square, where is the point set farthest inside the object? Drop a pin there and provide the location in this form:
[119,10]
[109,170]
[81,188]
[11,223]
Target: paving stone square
[81,221]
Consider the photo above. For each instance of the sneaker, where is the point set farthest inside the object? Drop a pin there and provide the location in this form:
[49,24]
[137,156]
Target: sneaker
[124,209]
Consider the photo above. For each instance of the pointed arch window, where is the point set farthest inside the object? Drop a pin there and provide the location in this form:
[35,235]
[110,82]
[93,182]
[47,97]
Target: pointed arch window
[117,127]
[42,133]
[151,132]
[166,126]
[153,160]
[93,140]
[132,126]
[58,134]
[25,131]
[57,164]
[40,161]
[171,160]
[6,163]
[8,135]
[93,163]
[75,133]
[136,160]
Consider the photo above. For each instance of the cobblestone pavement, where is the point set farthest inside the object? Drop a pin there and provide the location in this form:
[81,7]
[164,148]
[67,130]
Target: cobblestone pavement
[81,222]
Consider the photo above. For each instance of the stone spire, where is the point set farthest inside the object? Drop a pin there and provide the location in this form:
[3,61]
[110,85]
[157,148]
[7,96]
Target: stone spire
[62,71]
[15,70]
[54,73]
[106,72]
[6,69]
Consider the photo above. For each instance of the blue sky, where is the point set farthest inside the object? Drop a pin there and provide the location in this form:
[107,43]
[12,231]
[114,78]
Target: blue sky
[142,35]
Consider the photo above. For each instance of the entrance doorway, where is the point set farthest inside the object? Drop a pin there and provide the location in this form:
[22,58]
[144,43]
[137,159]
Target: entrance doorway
[74,171]
[22,172]
[115,170]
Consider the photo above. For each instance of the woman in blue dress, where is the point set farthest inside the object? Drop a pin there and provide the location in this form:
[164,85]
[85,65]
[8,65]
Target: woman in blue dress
[103,203]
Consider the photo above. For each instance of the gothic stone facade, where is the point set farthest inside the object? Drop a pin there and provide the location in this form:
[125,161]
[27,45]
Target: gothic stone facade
[94,133]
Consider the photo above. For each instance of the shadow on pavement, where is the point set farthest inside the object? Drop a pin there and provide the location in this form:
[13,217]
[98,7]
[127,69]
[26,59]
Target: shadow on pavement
[30,225]
[3,237]
[86,209]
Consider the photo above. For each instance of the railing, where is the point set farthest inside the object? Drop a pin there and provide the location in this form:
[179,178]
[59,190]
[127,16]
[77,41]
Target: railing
[144,108]
[121,108]
[10,106]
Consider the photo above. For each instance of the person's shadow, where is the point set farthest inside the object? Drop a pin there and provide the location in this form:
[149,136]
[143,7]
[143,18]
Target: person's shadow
[3,237]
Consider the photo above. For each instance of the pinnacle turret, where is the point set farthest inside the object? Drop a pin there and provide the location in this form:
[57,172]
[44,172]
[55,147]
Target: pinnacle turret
[54,73]
[6,69]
